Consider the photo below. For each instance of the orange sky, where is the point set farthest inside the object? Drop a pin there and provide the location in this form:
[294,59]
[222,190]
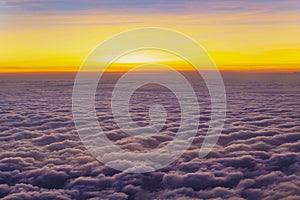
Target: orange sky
[252,36]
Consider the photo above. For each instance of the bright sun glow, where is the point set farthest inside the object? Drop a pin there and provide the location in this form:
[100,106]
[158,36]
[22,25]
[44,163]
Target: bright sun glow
[146,56]
[254,37]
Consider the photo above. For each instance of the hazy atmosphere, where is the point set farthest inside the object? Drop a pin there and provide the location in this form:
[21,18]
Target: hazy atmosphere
[158,99]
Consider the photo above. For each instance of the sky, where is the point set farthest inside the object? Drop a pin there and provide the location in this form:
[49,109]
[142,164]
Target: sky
[38,35]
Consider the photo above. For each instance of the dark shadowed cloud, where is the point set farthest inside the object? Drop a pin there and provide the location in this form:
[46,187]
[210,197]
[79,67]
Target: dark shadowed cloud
[257,156]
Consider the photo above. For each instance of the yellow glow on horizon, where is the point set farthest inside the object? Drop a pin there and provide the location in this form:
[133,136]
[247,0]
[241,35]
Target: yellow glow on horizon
[148,55]
[61,41]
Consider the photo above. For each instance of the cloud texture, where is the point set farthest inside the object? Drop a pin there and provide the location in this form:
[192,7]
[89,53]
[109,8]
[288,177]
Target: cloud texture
[257,156]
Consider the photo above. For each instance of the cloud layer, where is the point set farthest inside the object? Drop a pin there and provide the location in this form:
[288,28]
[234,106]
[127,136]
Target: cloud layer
[257,156]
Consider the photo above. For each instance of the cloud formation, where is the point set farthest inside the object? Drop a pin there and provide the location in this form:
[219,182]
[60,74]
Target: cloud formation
[257,156]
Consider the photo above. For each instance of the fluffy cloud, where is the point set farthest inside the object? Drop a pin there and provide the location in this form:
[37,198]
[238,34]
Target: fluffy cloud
[257,156]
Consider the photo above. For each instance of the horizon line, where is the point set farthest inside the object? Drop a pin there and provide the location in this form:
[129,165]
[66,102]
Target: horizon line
[222,68]
[154,71]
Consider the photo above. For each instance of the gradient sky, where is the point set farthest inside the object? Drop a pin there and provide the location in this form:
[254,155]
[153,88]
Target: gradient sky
[38,35]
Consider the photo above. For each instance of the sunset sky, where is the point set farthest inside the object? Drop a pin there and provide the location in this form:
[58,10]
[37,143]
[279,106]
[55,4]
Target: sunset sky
[38,35]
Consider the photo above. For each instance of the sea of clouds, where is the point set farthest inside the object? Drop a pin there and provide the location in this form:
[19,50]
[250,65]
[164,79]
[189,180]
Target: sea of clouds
[256,157]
